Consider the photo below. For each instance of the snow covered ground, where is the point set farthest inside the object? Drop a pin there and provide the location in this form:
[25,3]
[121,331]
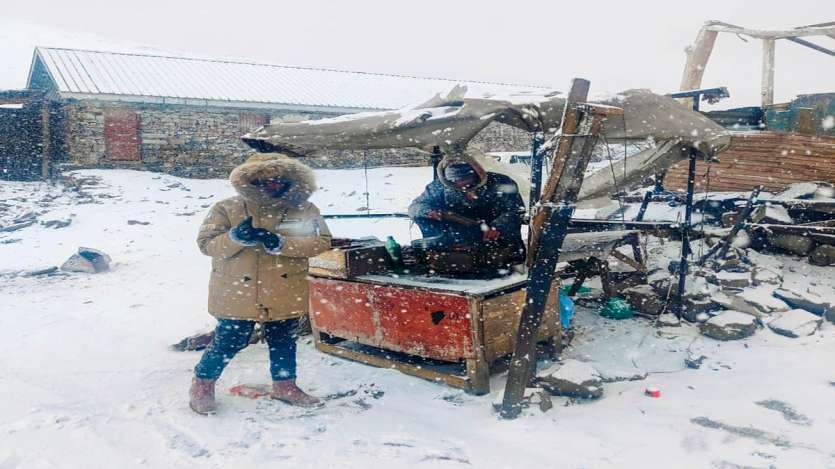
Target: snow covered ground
[87,379]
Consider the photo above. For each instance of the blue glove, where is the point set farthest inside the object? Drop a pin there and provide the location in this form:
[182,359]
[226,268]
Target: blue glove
[272,242]
[244,234]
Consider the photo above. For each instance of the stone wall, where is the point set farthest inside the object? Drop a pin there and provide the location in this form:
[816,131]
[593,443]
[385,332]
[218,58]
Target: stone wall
[202,142]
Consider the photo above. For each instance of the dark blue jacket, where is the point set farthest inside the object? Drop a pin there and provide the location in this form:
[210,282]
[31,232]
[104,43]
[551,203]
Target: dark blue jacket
[497,203]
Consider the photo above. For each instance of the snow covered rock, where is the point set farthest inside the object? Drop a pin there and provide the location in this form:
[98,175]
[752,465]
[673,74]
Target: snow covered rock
[87,260]
[823,255]
[733,279]
[762,299]
[806,190]
[807,300]
[644,299]
[729,325]
[800,245]
[694,306]
[732,301]
[795,323]
[669,320]
[56,224]
[572,379]
[764,275]
[539,398]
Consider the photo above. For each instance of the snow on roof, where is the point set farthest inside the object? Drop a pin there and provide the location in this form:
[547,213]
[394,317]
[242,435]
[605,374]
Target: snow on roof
[142,77]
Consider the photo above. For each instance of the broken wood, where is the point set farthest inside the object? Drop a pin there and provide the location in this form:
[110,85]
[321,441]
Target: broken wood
[581,125]
[722,246]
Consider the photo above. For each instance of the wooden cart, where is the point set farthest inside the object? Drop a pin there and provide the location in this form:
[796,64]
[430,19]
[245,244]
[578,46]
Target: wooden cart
[449,320]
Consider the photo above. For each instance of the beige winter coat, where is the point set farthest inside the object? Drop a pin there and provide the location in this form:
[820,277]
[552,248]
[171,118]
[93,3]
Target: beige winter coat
[247,282]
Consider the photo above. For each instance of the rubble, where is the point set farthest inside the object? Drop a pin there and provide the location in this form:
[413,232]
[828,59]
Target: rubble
[696,306]
[729,325]
[762,298]
[795,323]
[617,375]
[732,301]
[694,363]
[539,398]
[764,275]
[808,300]
[806,190]
[796,244]
[823,255]
[18,225]
[572,378]
[644,299]
[732,279]
[87,260]
[669,320]
[56,224]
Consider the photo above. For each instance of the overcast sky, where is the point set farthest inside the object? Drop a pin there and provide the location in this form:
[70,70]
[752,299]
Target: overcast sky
[616,44]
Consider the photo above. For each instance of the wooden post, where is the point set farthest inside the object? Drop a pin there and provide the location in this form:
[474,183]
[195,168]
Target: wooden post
[697,57]
[767,91]
[581,124]
[46,140]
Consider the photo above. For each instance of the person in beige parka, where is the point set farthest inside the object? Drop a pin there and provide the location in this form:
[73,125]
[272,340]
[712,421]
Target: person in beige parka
[260,242]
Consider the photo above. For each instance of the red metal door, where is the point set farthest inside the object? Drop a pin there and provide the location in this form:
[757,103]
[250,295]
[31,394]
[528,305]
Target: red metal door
[121,134]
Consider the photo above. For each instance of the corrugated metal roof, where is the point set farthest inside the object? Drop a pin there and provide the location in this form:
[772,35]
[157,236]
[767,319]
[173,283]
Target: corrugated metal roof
[139,77]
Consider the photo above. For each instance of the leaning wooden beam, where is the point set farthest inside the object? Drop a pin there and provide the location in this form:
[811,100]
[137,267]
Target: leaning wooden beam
[581,125]
[697,57]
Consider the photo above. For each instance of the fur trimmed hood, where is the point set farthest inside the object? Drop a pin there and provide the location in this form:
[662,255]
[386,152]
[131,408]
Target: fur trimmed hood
[274,165]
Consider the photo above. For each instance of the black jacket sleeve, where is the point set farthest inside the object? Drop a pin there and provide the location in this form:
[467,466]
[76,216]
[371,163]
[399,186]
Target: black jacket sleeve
[432,198]
[510,205]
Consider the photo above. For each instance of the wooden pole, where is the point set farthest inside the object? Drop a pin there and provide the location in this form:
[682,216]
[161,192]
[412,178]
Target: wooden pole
[767,90]
[581,124]
[697,57]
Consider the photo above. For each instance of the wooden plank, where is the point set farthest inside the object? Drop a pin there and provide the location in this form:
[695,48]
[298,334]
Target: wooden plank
[628,261]
[768,158]
[501,321]
[478,368]
[407,368]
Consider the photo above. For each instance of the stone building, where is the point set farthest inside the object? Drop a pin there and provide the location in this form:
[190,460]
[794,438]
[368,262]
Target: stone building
[185,116]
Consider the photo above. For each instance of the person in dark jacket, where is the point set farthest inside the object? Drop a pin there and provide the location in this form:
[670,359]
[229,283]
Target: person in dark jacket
[485,218]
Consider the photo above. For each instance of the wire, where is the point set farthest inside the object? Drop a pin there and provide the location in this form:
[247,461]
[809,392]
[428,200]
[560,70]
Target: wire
[365,170]
[704,203]
[615,179]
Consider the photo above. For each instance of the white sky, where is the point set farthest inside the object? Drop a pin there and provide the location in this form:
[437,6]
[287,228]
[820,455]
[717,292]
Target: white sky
[614,43]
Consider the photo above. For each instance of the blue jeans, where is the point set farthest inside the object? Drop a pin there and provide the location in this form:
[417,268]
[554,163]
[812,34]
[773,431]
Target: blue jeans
[232,336]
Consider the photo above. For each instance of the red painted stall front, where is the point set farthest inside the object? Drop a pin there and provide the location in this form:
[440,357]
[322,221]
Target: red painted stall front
[418,322]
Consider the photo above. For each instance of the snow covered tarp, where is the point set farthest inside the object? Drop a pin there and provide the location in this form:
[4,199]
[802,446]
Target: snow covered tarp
[451,122]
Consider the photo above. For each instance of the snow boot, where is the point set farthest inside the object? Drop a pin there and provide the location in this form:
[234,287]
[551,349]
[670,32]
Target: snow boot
[286,391]
[202,396]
